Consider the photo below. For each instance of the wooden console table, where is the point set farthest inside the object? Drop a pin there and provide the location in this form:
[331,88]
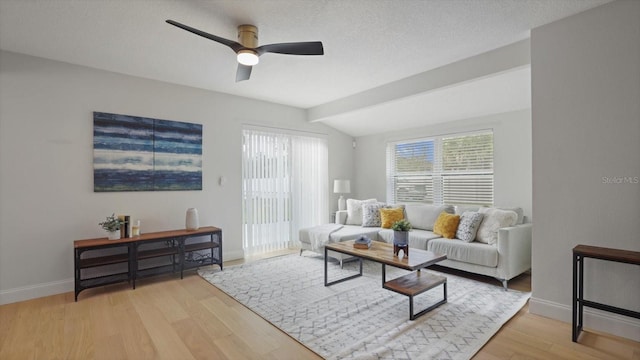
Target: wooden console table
[580,253]
[143,256]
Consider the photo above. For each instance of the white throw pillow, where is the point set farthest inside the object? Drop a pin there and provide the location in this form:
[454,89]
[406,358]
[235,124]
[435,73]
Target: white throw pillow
[354,210]
[518,210]
[494,219]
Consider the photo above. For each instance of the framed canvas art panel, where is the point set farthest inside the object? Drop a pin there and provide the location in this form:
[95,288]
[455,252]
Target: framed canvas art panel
[132,153]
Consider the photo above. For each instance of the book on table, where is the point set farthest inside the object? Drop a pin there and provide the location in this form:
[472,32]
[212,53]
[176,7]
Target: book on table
[362,242]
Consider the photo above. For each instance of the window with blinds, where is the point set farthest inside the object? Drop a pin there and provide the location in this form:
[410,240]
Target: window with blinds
[452,169]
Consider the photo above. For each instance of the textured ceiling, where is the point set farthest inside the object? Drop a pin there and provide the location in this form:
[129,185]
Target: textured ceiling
[368,43]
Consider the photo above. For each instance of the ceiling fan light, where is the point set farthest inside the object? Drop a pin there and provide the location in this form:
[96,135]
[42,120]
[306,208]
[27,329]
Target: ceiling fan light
[248,57]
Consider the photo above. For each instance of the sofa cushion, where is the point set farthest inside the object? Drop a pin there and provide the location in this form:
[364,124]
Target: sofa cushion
[423,216]
[446,225]
[461,209]
[388,216]
[473,253]
[494,219]
[417,238]
[352,232]
[354,210]
[469,224]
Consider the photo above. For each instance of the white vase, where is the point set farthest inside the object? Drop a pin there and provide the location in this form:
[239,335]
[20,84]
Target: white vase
[192,221]
[113,235]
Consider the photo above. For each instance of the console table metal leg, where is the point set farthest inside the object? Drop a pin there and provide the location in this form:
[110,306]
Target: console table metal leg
[212,257]
[76,265]
[574,303]
[181,256]
[580,295]
[220,251]
[131,264]
[133,252]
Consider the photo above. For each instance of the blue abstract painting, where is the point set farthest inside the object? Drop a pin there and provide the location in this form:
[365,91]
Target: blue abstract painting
[132,153]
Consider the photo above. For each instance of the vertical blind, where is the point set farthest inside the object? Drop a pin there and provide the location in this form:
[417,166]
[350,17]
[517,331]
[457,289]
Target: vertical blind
[284,187]
[453,169]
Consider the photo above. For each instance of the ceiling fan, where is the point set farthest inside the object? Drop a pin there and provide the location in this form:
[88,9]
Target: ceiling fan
[248,51]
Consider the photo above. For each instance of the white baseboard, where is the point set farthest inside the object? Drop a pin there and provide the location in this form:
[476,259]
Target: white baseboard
[35,291]
[233,255]
[594,319]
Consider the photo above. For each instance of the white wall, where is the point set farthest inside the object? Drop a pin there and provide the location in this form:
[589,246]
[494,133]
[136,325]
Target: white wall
[512,156]
[46,164]
[586,128]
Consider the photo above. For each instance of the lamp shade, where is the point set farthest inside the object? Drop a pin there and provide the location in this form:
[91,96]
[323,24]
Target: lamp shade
[341,186]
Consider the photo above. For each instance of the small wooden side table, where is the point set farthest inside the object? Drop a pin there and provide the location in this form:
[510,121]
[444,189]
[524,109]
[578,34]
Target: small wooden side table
[580,253]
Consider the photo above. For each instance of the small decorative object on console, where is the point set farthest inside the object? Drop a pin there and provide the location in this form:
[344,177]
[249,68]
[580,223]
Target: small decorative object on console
[362,242]
[125,222]
[192,221]
[112,226]
[135,228]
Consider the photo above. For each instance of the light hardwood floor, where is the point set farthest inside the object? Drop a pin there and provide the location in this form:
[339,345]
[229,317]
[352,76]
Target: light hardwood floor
[169,318]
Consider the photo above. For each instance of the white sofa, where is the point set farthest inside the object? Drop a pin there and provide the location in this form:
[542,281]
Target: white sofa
[507,258]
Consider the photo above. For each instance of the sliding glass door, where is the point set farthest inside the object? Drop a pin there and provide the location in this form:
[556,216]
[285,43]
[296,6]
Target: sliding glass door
[285,187]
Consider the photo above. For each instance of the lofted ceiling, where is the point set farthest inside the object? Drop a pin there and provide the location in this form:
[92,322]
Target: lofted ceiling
[368,44]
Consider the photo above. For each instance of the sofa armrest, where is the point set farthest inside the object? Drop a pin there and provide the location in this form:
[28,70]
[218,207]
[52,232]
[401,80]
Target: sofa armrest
[341,217]
[514,250]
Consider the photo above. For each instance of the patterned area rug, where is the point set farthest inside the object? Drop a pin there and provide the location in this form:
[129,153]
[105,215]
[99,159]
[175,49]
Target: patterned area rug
[358,319]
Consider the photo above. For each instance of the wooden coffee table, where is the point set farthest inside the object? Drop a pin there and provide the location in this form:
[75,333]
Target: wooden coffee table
[410,285]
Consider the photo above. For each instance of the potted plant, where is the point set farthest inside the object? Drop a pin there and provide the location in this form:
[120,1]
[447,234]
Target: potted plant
[401,236]
[401,225]
[112,226]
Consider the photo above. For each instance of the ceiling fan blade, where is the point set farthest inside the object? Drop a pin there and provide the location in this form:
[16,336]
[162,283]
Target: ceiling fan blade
[235,46]
[296,48]
[243,73]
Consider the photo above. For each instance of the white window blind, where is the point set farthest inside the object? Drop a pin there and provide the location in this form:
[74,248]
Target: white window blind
[284,188]
[453,169]
[410,168]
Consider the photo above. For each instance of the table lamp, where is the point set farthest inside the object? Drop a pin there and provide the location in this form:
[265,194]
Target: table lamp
[341,186]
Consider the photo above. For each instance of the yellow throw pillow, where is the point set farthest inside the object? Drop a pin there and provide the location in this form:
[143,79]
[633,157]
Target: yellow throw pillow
[446,225]
[389,216]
